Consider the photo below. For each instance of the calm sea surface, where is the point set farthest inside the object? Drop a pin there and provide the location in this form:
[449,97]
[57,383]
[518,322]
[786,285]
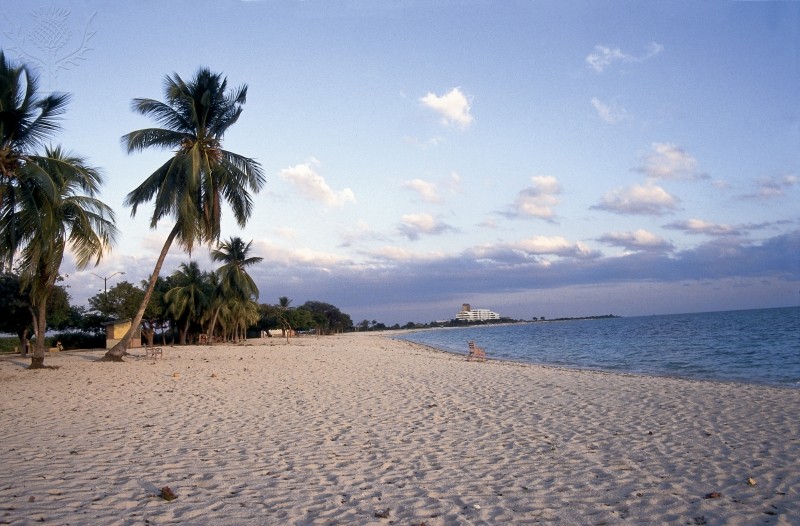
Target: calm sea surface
[757,346]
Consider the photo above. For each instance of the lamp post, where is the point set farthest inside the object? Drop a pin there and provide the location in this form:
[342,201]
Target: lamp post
[105,282]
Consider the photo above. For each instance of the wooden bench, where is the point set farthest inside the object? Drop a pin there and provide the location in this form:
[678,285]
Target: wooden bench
[476,354]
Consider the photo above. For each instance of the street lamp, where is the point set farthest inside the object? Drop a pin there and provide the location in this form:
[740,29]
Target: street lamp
[105,281]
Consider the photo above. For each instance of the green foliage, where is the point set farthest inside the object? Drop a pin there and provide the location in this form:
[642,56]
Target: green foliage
[59,311]
[191,185]
[327,318]
[120,302]
[47,201]
[235,282]
[300,319]
[17,315]
[9,345]
[16,307]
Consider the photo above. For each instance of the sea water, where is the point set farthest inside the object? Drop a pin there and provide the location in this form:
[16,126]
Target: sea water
[754,346]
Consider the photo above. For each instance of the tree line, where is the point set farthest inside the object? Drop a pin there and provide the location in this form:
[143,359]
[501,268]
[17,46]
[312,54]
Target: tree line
[187,306]
[49,204]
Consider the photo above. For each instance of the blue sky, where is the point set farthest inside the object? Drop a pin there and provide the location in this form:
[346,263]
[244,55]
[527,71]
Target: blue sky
[535,158]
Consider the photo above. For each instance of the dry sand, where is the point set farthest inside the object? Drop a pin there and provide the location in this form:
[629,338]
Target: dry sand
[360,429]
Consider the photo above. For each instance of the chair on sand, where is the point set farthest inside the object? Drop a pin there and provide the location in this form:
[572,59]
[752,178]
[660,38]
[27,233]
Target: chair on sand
[153,352]
[476,354]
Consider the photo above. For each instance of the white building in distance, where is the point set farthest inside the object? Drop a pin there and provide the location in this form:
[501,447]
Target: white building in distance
[469,314]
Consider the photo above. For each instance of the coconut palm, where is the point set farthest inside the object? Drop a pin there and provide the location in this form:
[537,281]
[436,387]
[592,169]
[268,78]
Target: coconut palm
[191,186]
[27,122]
[190,298]
[234,285]
[54,208]
[282,309]
[235,256]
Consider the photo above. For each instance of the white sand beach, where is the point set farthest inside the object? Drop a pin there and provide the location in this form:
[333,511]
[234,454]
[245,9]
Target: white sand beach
[361,429]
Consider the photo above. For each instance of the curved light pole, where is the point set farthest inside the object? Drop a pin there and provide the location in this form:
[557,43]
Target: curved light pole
[105,281]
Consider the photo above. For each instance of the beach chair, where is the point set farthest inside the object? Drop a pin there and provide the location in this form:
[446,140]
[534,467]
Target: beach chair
[153,352]
[476,354]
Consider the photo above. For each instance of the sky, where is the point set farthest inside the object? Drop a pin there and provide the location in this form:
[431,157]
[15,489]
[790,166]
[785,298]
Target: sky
[533,158]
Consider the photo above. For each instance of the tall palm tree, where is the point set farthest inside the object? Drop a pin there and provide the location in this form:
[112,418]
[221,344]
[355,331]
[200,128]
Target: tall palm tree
[192,184]
[55,208]
[27,122]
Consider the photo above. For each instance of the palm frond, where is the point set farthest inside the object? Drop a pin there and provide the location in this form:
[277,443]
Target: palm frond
[139,140]
[165,114]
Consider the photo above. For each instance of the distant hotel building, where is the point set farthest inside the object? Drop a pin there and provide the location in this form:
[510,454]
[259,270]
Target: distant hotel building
[469,314]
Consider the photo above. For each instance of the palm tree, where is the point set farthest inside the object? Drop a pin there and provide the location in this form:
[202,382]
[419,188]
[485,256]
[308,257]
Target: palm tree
[235,256]
[282,308]
[190,298]
[234,284]
[27,122]
[192,184]
[54,208]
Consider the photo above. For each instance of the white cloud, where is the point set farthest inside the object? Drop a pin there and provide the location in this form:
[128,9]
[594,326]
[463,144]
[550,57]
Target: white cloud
[668,161]
[427,191]
[296,256]
[554,245]
[414,225]
[533,247]
[699,226]
[637,240]
[647,199]
[604,56]
[312,186]
[539,199]
[394,253]
[608,113]
[453,106]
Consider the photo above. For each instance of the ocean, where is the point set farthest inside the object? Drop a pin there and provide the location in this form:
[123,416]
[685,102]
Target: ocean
[753,346]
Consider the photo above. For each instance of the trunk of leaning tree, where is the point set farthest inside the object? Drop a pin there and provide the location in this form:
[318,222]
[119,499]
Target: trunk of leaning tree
[213,325]
[116,353]
[37,358]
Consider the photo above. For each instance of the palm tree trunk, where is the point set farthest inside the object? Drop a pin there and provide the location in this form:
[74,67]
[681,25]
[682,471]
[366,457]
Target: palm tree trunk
[116,353]
[185,331]
[213,325]
[37,358]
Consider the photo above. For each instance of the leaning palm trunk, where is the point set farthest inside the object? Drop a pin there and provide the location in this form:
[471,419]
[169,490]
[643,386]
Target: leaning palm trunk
[116,353]
[212,329]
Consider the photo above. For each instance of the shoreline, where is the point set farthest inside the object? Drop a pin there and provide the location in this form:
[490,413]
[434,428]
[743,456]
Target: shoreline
[365,429]
[619,357]
[642,374]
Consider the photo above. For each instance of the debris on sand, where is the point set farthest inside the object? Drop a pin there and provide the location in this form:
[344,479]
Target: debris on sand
[167,494]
